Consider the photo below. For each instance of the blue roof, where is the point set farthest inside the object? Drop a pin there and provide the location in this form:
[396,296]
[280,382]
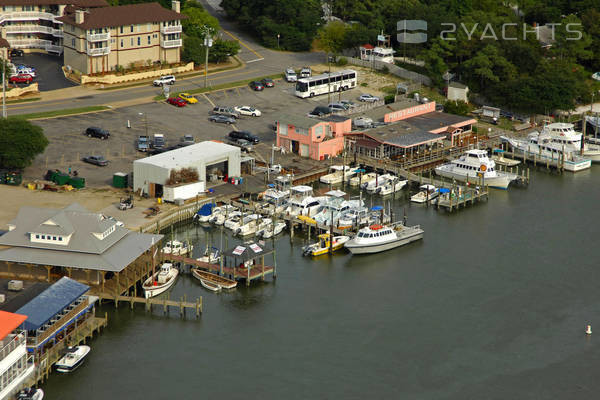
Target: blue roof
[51,301]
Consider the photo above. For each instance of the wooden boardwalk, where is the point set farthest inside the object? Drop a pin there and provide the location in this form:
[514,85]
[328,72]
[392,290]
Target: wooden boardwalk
[182,305]
[451,203]
[236,273]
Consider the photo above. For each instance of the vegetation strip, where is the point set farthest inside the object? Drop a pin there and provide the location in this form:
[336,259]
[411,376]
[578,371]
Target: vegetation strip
[60,113]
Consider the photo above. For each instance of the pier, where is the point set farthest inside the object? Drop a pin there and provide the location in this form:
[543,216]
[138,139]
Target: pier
[182,305]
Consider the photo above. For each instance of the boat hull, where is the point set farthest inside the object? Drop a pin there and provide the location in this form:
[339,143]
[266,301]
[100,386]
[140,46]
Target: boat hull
[66,368]
[220,281]
[153,291]
[210,285]
[499,182]
[423,198]
[355,248]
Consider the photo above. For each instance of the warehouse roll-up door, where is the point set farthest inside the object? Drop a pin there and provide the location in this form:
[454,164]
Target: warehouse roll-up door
[304,150]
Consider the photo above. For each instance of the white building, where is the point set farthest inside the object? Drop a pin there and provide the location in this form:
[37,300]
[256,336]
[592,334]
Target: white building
[151,174]
[15,364]
[458,91]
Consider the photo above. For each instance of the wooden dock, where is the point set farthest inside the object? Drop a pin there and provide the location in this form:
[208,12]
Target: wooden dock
[451,202]
[232,272]
[182,305]
[549,163]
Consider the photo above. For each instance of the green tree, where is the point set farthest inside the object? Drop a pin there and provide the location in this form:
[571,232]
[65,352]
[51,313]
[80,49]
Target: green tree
[193,50]
[222,50]
[332,36]
[198,19]
[456,107]
[20,142]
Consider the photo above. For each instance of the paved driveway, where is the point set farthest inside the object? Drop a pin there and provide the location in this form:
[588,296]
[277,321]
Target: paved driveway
[48,70]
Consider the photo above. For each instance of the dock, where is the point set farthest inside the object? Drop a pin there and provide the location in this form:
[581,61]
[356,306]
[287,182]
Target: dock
[451,203]
[182,305]
[232,272]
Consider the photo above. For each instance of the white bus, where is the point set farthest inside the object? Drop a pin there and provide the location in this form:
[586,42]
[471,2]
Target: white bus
[326,83]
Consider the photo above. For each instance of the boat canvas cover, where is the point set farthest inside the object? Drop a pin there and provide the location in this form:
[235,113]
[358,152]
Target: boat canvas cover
[51,301]
[205,210]
[9,322]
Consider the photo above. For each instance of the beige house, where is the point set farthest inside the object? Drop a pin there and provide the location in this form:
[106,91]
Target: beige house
[101,39]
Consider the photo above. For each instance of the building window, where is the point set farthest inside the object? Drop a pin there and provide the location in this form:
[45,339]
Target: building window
[60,238]
[37,236]
[131,28]
[43,237]
[53,237]
[73,42]
[149,39]
[283,129]
[121,42]
[72,28]
[121,29]
[139,41]
[131,42]
[155,36]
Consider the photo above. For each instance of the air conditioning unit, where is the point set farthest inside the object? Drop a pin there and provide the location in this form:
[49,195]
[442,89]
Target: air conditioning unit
[2,298]
[15,285]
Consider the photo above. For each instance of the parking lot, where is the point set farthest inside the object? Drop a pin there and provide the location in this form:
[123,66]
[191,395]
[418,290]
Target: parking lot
[49,75]
[68,144]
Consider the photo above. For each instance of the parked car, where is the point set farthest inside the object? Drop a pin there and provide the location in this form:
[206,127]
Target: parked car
[21,69]
[164,80]
[348,103]
[244,135]
[368,98]
[228,111]
[16,53]
[242,144]
[222,119]
[21,78]
[176,101]
[268,82]
[337,107]
[362,122]
[188,98]
[320,111]
[186,140]
[257,86]
[96,160]
[247,110]
[143,143]
[305,72]
[94,131]
[290,75]
[159,141]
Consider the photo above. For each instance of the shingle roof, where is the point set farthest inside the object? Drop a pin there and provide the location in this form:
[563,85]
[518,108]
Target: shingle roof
[123,15]
[81,3]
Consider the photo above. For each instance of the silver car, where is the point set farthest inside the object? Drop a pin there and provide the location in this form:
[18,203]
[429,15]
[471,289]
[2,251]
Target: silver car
[368,98]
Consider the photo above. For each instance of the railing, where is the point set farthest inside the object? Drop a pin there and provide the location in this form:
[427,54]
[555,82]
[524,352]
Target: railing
[29,43]
[16,341]
[34,340]
[54,48]
[98,37]
[99,51]
[28,28]
[170,43]
[170,29]
[57,32]
[27,16]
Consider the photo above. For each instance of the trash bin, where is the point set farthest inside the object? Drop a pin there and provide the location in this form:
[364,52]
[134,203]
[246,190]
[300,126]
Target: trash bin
[120,180]
[61,179]
[77,182]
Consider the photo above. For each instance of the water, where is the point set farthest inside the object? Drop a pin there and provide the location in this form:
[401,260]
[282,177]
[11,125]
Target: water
[492,304]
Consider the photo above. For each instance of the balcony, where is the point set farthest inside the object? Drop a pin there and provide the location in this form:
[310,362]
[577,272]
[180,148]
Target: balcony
[28,29]
[99,51]
[57,32]
[98,37]
[28,16]
[165,30]
[29,43]
[10,344]
[167,44]
[52,48]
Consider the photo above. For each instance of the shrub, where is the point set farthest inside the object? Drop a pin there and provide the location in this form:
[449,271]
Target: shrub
[390,98]
[364,84]
[385,70]
[342,61]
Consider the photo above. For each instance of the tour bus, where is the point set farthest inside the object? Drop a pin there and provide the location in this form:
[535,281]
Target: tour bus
[326,83]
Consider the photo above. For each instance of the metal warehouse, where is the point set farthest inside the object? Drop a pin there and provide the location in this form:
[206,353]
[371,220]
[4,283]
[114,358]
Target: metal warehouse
[211,159]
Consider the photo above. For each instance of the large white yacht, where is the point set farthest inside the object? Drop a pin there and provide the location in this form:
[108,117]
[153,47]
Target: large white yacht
[302,201]
[473,165]
[565,135]
[543,146]
[377,238]
[364,178]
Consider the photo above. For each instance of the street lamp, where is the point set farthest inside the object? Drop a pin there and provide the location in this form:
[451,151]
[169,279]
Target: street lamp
[278,41]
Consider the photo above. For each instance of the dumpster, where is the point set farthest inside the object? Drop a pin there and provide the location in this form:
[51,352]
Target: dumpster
[77,182]
[120,180]
[61,179]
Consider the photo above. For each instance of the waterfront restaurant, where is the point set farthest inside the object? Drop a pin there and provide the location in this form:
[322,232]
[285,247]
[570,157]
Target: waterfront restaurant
[15,365]
[46,244]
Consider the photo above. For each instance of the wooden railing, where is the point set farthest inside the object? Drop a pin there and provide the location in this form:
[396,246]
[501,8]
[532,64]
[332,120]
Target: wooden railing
[58,324]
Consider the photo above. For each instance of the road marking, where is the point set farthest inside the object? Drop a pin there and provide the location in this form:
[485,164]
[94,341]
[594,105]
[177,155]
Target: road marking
[209,100]
[234,127]
[243,44]
[255,60]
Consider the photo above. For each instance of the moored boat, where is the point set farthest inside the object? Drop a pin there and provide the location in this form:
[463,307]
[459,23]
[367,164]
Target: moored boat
[362,179]
[377,238]
[338,174]
[426,193]
[210,285]
[218,280]
[271,230]
[211,256]
[391,186]
[177,248]
[160,281]
[324,245]
[30,394]
[72,359]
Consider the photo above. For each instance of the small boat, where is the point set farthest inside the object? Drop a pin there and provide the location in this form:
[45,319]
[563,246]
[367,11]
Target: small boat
[72,359]
[360,180]
[377,238]
[338,174]
[354,217]
[161,281]
[426,193]
[204,213]
[372,186]
[220,214]
[302,201]
[30,394]
[271,230]
[391,186]
[210,285]
[499,159]
[253,226]
[217,280]
[324,246]
[177,248]
[211,256]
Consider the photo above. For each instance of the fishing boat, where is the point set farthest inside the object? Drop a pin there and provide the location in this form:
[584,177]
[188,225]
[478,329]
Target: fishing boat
[160,281]
[211,255]
[279,190]
[72,359]
[239,222]
[271,230]
[377,238]
[426,193]
[391,186]
[177,248]
[253,226]
[379,181]
[302,201]
[475,167]
[214,279]
[542,147]
[338,173]
[324,245]
[30,394]
[499,159]
[362,179]
[204,213]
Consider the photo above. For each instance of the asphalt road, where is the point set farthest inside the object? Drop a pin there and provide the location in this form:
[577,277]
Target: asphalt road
[258,60]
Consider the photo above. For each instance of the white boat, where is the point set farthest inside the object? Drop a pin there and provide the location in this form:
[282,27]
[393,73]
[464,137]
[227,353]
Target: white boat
[280,189]
[210,285]
[377,238]
[220,214]
[499,159]
[30,394]
[543,148]
[338,173]
[362,179]
[391,186]
[177,248]
[211,256]
[252,226]
[161,281]
[334,205]
[234,220]
[204,213]
[563,134]
[72,359]
[380,180]
[241,222]
[271,230]
[426,193]
[324,246]
[474,167]
[302,201]
[354,217]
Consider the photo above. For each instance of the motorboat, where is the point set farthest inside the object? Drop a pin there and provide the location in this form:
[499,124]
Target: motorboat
[211,255]
[391,186]
[324,245]
[279,190]
[338,173]
[241,221]
[302,201]
[475,167]
[235,220]
[271,230]
[563,134]
[373,185]
[160,281]
[426,193]
[214,279]
[545,149]
[72,359]
[204,213]
[220,214]
[362,179]
[499,159]
[177,248]
[354,217]
[253,226]
[30,394]
[377,238]
[333,206]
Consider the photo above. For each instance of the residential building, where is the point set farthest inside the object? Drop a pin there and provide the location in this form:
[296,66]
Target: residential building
[35,24]
[102,39]
[16,366]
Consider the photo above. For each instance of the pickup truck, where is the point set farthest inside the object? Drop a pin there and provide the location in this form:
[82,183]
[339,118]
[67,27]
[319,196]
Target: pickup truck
[143,143]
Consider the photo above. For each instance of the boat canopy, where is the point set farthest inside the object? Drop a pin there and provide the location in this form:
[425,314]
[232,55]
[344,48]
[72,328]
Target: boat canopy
[498,151]
[206,209]
[444,190]
[377,208]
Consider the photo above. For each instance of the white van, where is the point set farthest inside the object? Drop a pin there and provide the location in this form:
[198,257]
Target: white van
[290,75]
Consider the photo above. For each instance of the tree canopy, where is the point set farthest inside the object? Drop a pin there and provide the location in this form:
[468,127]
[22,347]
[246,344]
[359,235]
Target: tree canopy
[20,142]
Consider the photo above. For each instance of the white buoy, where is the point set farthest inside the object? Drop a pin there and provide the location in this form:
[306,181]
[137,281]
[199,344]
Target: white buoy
[588,330]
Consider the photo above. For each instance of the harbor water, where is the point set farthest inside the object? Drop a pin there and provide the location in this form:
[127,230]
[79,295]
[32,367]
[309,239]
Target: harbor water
[492,304]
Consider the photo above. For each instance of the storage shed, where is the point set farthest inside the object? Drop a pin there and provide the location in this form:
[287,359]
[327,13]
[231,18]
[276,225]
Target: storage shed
[150,174]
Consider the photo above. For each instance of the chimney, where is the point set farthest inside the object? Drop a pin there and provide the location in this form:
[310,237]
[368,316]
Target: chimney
[175,5]
[79,17]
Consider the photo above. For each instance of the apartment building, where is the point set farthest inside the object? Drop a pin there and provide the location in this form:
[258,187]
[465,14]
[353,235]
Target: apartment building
[15,364]
[101,39]
[34,24]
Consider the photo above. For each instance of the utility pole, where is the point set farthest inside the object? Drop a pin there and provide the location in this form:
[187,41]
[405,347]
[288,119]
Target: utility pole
[3,88]
[207,43]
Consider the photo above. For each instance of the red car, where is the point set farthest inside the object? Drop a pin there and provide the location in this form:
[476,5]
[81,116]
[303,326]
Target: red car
[176,101]
[21,78]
